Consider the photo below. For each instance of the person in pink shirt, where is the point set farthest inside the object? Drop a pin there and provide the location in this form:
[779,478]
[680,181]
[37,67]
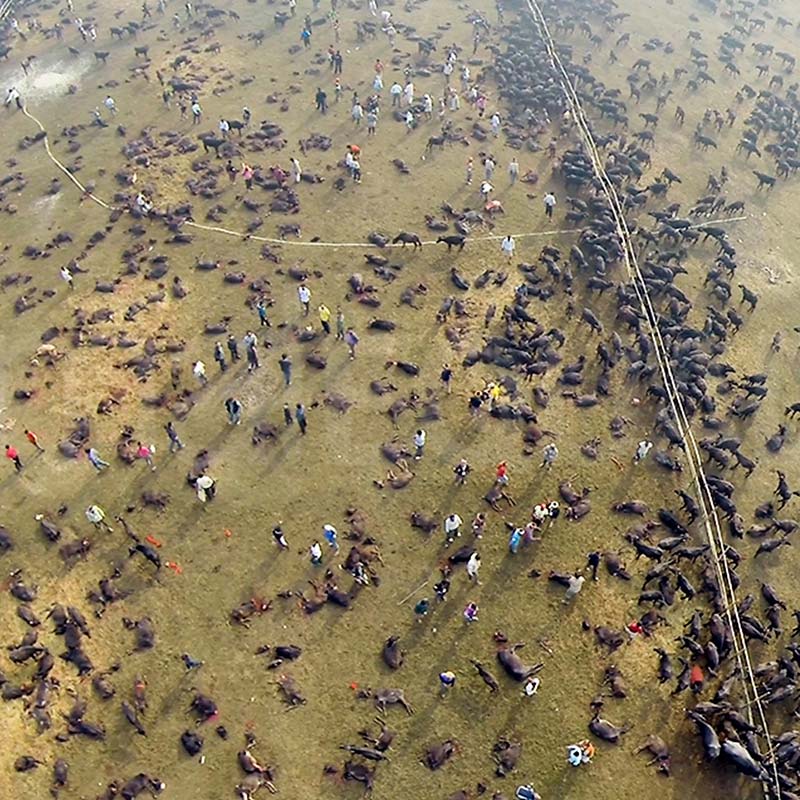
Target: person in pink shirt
[481,104]
[247,174]
[146,453]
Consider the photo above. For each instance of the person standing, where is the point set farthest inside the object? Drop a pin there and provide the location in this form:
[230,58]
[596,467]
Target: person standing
[329,532]
[513,171]
[261,307]
[206,488]
[224,128]
[219,356]
[250,344]
[549,455]
[199,372]
[287,415]
[574,585]
[175,442]
[339,323]
[297,172]
[515,540]
[479,525]
[419,443]
[396,91]
[452,526]
[34,440]
[494,121]
[461,471]
[234,409]
[146,453]
[549,204]
[315,553]
[322,101]
[351,340]
[486,190]
[325,318]
[446,377]
[507,246]
[300,416]
[473,565]
[95,460]
[304,295]
[285,363]
[470,170]
[197,113]
[233,347]
[593,562]
[488,168]
[247,175]
[13,456]
[97,517]
[111,105]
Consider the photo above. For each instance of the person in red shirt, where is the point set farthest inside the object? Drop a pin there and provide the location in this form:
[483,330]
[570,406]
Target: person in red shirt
[696,679]
[34,440]
[502,473]
[13,455]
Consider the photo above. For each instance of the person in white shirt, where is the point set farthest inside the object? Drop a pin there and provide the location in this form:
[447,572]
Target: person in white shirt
[409,121]
[385,17]
[549,204]
[486,190]
[396,91]
[447,71]
[357,112]
[297,173]
[473,565]
[315,553]
[224,128]
[97,517]
[549,455]
[507,246]
[495,123]
[574,586]
[642,449]
[12,95]
[419,443]
[197,112]
[427,105]
[205,488]
[408,93]
[452,524]
[199,372]
[488,168]
[304,295]
[111,105]
[66,276]
[513,171]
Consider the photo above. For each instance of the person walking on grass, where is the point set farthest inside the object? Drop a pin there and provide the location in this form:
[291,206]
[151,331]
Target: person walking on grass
[351,340]
[324,318]
[549,204]
[419,442]
[339,323]
[97,517]
[234,409]
[175,442]
[304,296]
[219,356]
[329,532]
[146,453]
[285,363]
[13,456]
[199,372]
[300,416]
[34,440]
[446,377]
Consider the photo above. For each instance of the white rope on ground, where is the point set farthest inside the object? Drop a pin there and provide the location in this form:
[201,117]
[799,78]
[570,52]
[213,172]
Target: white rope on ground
[297,243]
[710,517]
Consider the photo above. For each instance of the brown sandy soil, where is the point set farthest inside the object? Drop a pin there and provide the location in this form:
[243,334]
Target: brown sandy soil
[306,482]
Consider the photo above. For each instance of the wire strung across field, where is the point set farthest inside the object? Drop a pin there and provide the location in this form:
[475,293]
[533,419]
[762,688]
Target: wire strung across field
[710,517]
[493,237]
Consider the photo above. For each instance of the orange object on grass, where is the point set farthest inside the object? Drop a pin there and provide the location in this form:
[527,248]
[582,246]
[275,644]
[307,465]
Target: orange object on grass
[176,568]
[152,540]
[228,533]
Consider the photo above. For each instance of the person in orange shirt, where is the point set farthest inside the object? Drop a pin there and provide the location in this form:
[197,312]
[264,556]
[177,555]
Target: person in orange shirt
[502,473]
[34,440]
[696,679]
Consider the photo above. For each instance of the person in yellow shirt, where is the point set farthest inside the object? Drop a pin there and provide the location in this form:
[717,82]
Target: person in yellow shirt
[494,394]
[325,317]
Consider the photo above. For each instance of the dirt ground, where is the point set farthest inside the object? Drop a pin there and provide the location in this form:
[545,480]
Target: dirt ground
[308,481]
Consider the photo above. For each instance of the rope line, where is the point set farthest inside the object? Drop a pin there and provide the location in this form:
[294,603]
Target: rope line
[709,512]
[297,243]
